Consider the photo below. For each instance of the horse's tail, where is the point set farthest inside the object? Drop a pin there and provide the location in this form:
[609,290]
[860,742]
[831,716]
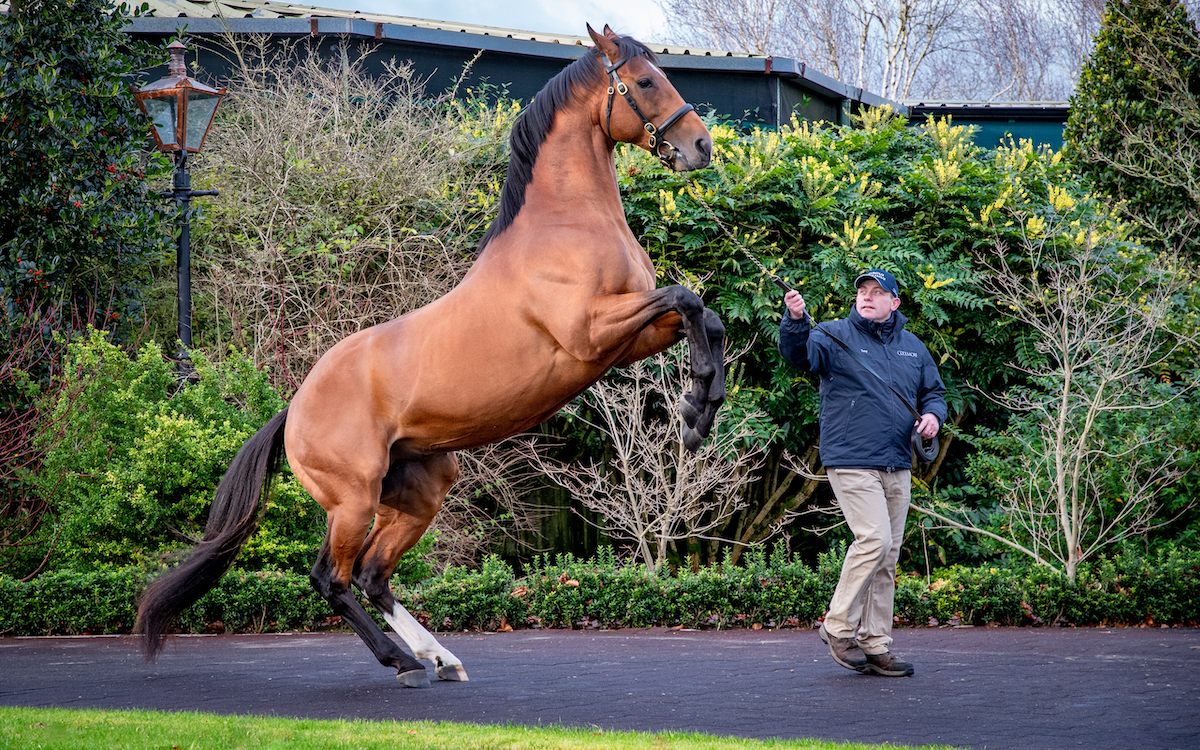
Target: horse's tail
[232,519]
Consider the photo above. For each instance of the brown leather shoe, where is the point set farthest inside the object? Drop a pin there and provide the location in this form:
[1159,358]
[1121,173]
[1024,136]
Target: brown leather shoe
[887,665]
[845,651]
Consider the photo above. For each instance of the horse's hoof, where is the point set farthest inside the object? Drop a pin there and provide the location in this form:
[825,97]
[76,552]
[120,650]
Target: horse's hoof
[414,678]
[691,439]
[689,411]
[452,673]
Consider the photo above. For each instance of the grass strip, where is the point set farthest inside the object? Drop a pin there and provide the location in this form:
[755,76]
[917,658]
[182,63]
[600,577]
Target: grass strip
[55,728]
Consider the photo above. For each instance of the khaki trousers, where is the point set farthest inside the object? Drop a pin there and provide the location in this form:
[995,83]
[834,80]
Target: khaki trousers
[875,504]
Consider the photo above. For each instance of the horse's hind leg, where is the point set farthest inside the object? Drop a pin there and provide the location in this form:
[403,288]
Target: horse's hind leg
[412,495]
[331,576]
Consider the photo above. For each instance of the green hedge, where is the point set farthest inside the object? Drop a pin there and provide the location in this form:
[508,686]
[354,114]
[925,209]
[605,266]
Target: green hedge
[1128,589]
[71,603]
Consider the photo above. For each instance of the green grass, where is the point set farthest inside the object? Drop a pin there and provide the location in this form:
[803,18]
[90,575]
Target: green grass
[114,730]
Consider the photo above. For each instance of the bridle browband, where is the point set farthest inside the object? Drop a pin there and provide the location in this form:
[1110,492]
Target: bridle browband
[657,134]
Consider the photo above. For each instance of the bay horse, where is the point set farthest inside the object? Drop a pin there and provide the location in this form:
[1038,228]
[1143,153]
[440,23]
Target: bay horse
[560,292]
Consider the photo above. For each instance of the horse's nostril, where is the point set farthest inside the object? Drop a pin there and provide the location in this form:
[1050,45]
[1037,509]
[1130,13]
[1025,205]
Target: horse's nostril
[704,147]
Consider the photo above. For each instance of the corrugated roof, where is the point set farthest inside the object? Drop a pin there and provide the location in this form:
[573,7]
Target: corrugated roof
[268,9]
[985,105]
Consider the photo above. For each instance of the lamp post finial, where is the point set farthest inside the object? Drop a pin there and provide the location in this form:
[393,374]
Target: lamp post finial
[176,68]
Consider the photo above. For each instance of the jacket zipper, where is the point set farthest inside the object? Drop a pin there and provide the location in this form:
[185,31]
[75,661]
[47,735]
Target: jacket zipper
[888,364]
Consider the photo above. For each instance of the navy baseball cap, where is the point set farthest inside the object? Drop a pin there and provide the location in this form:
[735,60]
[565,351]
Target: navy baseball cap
[885,279]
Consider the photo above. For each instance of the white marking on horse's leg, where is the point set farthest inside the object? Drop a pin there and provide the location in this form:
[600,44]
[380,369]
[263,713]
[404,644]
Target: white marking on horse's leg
[424,645]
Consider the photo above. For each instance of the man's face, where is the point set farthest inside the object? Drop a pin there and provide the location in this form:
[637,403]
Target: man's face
[874,302]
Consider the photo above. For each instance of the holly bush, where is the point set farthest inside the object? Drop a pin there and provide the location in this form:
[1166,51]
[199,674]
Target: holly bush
[78,228]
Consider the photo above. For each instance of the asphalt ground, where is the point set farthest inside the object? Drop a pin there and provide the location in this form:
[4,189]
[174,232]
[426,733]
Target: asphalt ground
[1124,689]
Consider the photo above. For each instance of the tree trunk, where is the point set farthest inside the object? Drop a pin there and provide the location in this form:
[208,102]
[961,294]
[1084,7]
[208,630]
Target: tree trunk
[776,505]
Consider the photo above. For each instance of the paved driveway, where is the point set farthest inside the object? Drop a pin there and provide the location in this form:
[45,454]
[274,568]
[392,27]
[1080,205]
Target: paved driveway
[974,687]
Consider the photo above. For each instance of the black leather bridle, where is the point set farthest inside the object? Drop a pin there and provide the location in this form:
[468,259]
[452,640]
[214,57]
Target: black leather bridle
[657,134]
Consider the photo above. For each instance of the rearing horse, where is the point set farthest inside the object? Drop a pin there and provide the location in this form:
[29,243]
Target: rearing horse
[561,292]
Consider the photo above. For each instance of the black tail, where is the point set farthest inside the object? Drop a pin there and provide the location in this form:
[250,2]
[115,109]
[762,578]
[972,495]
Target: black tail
[231,521]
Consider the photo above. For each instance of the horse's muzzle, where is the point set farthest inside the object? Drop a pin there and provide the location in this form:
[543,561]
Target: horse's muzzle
[698,156]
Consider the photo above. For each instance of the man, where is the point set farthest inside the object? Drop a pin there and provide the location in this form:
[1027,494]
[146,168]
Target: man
[866,449]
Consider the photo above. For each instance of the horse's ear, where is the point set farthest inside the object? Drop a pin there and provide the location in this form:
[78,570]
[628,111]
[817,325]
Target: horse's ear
[604,44]
[608,32]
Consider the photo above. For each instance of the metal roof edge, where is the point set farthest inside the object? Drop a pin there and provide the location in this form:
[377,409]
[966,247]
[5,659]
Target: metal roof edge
[337,26]
[502,41]
[329,25]
[271,10]
[1048,111]
[989,105]
[832,87]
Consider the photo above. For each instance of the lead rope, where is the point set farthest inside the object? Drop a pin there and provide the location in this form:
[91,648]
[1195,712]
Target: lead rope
[738,243]
[927,453]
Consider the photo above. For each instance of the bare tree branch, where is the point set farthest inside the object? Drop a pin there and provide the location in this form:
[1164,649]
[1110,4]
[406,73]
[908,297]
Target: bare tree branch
[651,491]
[1098,336]
[980,50]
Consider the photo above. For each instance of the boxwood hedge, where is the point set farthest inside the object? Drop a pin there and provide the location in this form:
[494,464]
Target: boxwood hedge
[1130,588]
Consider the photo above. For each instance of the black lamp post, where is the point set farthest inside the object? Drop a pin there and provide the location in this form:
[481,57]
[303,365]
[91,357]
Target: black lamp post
[180,111]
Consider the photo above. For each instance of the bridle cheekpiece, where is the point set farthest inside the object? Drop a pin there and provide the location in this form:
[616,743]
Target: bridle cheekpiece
[657,134]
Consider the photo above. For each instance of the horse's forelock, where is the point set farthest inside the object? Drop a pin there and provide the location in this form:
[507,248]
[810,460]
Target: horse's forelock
[631,48]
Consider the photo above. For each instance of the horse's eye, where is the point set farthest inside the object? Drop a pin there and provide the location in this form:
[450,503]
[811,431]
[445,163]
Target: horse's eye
[645,83]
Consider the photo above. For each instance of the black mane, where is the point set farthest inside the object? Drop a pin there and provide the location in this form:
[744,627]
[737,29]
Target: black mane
[535,122]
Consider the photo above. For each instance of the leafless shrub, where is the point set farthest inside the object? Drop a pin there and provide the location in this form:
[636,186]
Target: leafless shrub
[650,490]
[346,200]
[490,501]
[1099,337]
[27,431]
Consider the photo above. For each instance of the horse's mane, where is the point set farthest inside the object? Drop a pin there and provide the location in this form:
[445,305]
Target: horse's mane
[535,122]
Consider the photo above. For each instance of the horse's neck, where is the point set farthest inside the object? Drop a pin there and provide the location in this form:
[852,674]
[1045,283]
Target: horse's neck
[574,170]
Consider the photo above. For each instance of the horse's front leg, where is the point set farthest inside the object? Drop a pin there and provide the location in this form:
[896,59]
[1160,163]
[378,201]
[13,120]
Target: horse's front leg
[664,316]
[706,412]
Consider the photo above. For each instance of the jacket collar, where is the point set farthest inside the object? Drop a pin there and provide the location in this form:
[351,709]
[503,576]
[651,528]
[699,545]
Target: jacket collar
[883,331]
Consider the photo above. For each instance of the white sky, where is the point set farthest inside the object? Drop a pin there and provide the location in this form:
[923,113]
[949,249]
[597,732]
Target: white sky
[641,19]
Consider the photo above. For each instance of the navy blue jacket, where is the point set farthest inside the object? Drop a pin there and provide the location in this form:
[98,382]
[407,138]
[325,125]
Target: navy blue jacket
[863,424]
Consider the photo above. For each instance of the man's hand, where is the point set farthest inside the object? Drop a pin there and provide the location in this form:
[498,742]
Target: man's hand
[795,304]
[928,425]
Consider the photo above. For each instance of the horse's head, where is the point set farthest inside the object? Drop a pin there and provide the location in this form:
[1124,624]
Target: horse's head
[643,108]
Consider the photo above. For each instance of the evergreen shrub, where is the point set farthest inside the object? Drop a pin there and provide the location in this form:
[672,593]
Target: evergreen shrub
[1133,124]
[1130,588]
[70,603]
[258,602]
[79,229]
[139,454]
[462,599]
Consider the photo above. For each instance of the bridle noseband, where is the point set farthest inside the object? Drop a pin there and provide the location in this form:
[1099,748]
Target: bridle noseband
[657,134]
